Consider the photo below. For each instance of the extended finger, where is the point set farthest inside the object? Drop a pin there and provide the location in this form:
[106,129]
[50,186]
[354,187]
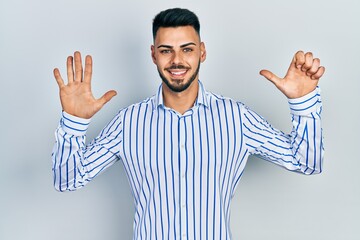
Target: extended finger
[78,67]
[69,69]
[320,72]
[58,78]
[315,66]
[299,59]
[308,62]
[88,69]
[270,76]
[107,97]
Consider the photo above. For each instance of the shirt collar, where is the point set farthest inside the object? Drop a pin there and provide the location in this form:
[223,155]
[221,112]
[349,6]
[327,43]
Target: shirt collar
[200,100]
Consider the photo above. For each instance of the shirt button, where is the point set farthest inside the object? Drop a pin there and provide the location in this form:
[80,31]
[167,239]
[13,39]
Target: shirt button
[183,205]
[182,146]
[183,176]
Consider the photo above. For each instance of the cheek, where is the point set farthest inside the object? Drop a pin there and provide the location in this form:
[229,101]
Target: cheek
[162,61]
[194,61]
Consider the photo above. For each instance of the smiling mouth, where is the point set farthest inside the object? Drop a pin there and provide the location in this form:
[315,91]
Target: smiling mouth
[177,73]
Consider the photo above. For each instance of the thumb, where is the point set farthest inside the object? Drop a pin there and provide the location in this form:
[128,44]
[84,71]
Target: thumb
[107,97]
[271,77]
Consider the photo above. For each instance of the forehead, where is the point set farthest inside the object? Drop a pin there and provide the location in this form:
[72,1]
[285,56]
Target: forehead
[176,36]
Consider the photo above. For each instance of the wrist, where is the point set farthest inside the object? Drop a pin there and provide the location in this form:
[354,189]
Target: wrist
[74,125]
[306,104]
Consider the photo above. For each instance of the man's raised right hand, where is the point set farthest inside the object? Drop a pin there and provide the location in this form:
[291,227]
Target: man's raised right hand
[76,96]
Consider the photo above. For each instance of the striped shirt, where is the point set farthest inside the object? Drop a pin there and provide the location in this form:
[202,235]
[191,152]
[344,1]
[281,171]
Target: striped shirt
[183,169]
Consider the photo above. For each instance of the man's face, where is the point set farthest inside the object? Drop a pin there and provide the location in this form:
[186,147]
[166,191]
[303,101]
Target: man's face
[177,53]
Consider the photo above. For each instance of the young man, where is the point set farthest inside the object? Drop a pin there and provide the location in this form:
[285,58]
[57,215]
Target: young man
[184,149]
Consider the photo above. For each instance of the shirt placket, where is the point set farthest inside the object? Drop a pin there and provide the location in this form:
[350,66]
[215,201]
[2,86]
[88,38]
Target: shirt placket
[182,178]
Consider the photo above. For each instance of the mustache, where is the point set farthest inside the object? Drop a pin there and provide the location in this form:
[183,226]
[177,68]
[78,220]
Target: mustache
[177,66]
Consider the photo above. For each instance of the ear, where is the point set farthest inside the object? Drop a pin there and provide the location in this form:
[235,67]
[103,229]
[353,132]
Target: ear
[202,52]
[153,54]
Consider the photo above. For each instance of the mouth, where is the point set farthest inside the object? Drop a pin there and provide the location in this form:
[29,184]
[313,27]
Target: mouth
[177,73]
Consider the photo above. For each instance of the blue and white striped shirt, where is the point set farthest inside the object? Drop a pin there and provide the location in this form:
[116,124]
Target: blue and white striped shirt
[184,169]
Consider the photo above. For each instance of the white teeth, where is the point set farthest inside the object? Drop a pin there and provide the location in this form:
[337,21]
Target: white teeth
[178,73]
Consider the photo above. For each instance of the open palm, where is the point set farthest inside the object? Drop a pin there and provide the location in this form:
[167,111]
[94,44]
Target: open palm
[76,96]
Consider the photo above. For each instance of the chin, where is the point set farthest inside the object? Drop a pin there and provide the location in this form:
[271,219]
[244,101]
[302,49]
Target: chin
[177,87]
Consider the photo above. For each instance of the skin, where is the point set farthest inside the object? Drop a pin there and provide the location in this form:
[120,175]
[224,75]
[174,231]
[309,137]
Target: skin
[177,54]
[301,78]
[180,46]
[76,96]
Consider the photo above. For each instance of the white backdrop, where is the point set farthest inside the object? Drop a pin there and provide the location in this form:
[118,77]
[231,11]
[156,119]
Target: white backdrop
[242,37]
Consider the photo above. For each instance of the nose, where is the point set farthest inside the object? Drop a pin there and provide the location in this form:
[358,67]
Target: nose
[177,57]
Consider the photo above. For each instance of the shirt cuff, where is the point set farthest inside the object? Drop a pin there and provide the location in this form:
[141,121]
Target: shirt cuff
[74,125]
[306,104]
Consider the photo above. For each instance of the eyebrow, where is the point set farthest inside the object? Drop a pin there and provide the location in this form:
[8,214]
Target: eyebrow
[181,46]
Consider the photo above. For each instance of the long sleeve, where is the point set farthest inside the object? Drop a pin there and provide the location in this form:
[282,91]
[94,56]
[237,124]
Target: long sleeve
[302,149]
[75,163]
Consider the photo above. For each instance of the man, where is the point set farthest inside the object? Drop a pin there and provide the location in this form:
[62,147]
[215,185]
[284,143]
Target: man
[184,149]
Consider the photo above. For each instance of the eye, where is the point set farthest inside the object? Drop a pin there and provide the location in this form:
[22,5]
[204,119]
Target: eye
[187,50]
[165,51]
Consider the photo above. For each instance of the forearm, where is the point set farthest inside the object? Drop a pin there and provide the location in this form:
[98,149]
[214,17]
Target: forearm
[75,163]
[307,138]
[302,150]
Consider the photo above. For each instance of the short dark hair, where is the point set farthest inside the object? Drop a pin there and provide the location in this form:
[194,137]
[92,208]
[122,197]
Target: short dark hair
[175,17]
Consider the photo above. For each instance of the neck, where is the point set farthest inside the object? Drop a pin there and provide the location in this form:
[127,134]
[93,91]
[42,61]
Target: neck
[181,101]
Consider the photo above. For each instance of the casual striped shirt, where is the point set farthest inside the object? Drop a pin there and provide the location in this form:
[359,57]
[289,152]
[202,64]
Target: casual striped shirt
[183,169]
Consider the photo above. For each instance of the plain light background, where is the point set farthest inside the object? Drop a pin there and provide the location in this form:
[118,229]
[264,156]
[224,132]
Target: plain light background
[242,37]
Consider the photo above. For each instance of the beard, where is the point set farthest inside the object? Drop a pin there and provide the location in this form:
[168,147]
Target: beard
[177,87]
